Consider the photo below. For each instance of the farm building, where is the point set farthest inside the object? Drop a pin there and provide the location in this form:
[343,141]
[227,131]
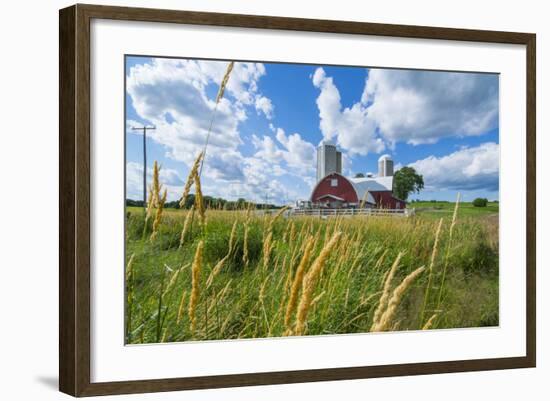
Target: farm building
[333,190]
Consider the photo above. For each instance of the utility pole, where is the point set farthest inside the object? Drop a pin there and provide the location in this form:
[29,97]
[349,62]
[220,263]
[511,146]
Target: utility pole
[144,129]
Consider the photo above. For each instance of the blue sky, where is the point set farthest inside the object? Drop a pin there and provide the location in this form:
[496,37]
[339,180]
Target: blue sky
[272,117]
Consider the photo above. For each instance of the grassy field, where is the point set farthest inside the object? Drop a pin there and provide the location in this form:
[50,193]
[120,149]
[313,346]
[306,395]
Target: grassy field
[244,275]
[445,209]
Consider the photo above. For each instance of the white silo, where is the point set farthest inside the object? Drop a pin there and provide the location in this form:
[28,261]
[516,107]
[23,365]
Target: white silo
[329,159]
[385,166]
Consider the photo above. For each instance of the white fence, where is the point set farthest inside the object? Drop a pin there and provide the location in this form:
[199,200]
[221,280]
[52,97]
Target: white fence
[352,212]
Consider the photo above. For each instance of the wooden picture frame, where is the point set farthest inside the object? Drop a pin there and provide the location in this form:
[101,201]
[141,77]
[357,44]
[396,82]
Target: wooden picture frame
[75,208]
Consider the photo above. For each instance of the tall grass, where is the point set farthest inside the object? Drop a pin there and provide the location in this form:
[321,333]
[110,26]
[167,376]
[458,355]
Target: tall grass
[256,275]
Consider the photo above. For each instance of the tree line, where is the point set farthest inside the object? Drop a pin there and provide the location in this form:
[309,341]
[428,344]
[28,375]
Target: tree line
[211,203]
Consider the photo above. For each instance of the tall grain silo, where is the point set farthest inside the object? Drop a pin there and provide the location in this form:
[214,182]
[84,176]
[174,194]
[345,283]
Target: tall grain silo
[329,159]
[385,166]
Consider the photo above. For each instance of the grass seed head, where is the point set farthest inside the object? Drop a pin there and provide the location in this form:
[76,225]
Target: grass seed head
[430,322]
[181,307]
[389,313]
[150,207]
[232,237]
[195,285]
[215,271]
[386,291]
[186,225]
[224,81]
[455,214]
[130,267]
[158,215]
[199,201]
[277,215]
[296,284]
[190,179]
[267,248]
[309,283]
[155,185]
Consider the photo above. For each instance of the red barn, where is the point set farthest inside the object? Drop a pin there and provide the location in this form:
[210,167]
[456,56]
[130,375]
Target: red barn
[336,191]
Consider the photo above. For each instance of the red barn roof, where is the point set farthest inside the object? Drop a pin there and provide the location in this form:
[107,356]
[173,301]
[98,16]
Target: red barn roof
[339,187]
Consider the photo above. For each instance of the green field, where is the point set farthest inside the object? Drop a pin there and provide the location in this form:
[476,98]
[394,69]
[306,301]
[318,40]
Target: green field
[254,278]
[445,209]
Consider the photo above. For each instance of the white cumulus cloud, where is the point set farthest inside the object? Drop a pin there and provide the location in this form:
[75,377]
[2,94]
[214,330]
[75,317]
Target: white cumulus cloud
[351,126]
[264,105]
[472,168]
[299,153]
[292,153]
[407,106]
[423,106]
[177,97]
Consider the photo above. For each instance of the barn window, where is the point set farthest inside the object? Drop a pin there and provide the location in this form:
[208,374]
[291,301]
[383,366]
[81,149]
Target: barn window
[333,182]
[398,205]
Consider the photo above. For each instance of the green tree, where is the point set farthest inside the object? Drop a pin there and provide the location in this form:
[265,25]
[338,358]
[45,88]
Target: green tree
[359,175]
[405,181]
[189,201]
[480,202]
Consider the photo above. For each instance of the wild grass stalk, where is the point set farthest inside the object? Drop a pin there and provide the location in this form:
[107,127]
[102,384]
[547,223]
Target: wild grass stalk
[448,251]
[174,278]
[219,97]
[428,325]
[186,225]
[199,202]
[297,282]
[195,285]
[309,283]
[430,270]
[150,206]
[246,258]
[158,215]
[159,305]
[216,270]
[277,215]
[190,179]
[181,306]
[129,297]
[225,79]
[292,235]
[382,303]
[153,197]
[393,303]
[267,248]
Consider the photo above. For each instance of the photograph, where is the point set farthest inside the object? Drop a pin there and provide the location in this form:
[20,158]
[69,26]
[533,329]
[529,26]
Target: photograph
[274,199]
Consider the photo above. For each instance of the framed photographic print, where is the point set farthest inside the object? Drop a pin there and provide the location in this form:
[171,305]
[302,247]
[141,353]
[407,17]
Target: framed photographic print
[250,200]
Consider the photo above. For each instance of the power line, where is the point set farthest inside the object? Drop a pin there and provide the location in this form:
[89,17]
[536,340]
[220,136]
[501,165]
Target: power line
[144,129]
